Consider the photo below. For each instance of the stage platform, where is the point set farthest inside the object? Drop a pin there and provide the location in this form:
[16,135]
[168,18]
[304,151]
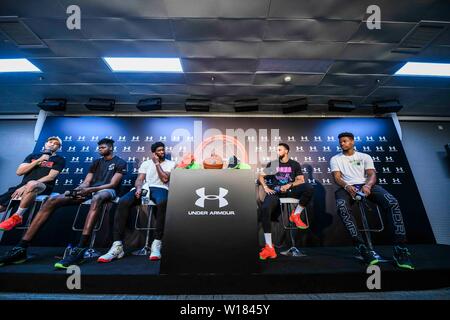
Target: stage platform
[324,269]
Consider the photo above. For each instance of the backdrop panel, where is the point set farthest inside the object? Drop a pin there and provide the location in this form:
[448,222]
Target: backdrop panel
[313,142]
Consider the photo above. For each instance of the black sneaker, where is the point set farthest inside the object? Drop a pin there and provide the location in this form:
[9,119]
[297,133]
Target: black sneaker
[402,258]
[14,256]
[368,256]
[75,257]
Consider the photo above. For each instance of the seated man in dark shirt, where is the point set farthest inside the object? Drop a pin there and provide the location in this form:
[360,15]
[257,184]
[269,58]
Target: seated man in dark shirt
[39,171]
[101,183]
[282,178]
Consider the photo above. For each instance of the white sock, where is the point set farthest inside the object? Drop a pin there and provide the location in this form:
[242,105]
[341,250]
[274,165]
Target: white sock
[298,209]
[21,211]
[268,239]
[117,243]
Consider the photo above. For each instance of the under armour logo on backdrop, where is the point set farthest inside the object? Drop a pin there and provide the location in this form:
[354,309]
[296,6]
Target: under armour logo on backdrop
[221,197]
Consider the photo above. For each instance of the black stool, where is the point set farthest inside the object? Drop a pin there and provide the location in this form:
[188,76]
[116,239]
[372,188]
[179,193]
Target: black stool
[366,229]
[286,206]
[38,202]
[146,202]
[91,252]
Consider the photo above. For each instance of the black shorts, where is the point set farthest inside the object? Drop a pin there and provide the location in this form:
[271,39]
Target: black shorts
[6,197]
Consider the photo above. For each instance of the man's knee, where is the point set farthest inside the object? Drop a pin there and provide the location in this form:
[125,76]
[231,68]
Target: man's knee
[309,188]
[98,199]
[33,186]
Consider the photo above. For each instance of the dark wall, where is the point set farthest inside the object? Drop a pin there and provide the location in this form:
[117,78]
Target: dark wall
[424,146]
[16,140]
[313,142]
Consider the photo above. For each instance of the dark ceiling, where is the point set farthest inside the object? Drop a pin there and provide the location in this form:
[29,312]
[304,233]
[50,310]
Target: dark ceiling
[230,49]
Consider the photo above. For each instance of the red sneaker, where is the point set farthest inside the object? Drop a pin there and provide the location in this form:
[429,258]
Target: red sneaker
[295,218]
[267,252]
[11,222]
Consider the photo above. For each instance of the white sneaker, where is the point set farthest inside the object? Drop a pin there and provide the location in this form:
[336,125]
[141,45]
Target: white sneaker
[116,252]
[156,250]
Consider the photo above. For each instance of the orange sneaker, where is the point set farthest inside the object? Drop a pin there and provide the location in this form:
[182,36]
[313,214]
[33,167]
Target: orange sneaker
[295,218]
[267,252]
[11,222]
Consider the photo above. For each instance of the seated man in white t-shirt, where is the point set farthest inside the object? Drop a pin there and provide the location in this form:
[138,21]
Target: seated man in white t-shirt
[355,172]
[154,177]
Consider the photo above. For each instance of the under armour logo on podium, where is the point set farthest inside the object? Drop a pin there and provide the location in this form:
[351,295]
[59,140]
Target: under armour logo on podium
[304,138]
[65,171]
[382,138]
[75,159]
[81,138]
[148,138]
[326,149]
[79,171]
[71,149]
[291,138]
[366,149]
[379,149]
[330,138]
[94,138]
[221,197]
[141,149]
[85,149]
[89,159]
[135,139]
[299,149]
[122,138]
[313,149]
[369,138]
[162,138]
[317,138]
[68,138]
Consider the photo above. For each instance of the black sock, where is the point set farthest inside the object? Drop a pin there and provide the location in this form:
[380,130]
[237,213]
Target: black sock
[23,244]
[84,241]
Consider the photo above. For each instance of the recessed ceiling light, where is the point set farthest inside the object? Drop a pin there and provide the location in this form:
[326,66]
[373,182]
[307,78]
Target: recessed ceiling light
[144,64]
[425,69]
[287,79]
[17,65]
